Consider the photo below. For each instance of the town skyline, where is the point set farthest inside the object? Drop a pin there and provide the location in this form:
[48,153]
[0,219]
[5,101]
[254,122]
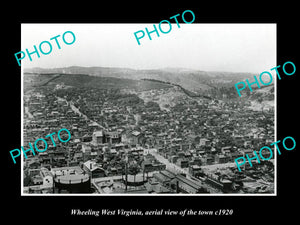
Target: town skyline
[162,117]
[144,137]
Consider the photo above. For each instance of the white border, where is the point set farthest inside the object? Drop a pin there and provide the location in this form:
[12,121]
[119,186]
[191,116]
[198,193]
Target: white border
[150,195]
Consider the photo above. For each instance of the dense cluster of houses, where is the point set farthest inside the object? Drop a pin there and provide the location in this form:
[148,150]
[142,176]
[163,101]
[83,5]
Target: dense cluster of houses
[110,130]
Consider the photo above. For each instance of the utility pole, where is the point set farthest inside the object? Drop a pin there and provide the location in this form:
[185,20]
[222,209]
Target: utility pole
[126,170]
[69,157]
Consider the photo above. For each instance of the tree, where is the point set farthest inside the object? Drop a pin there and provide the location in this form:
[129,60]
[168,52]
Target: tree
[134,169]
[153,105]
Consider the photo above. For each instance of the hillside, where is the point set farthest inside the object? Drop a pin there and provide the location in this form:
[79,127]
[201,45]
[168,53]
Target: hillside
[82,80]
[262,99]
[166,93]
[195,81]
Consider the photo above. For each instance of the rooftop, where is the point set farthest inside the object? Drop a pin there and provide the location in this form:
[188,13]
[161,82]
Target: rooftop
[69,175]
[91,165]
[98,133]
[191,183]
[136,133]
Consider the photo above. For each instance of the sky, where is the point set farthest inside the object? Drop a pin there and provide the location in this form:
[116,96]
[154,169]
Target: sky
[207,47]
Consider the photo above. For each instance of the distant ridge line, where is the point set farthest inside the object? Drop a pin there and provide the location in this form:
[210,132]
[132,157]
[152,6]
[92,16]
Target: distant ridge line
[188,93]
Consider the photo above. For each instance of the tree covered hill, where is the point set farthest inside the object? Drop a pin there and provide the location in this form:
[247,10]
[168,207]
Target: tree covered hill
[195,81]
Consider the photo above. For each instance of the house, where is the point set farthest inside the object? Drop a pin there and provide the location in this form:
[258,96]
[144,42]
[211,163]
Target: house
[135,137]
[42,177]
[37,180]
[164,177]
[185,147]
[209,160]
[93,169]
[146,166]
[97,137]
[86,151]
[113,151]
[220,158]
[158,166]
[119,146]
[188,156]
[226,150]
[112,171]
[204,142]
[47,177]
[194,170]
[112,137]
[236,154]
[138,150]
[86,138]
[247,144]
[78,156]
[175,147]
[183,163]
[153,186]
[173,158]
[33,164]
[195,161]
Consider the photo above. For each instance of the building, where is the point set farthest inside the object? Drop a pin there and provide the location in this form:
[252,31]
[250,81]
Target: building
[133,138]
[153,186]
[204,142]
[86,138]
[41,181]
[163,180]
[93,169]
[185,185]
[112,137]
[226,150]
[41,176]
[71,179]
[182,163]
[222,184]
[146,166]
[221,158]
[195,170]
[33,164]
[210,160]
[164,177]
[47,178]
[250,154]
[86,151]
[158,166]
[98,137]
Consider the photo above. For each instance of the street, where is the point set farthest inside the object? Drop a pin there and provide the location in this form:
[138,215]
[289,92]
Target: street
[169,166]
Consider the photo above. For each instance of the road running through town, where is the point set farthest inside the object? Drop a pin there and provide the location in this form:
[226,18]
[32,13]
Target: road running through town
[177,170]
[169,166]
[77,111]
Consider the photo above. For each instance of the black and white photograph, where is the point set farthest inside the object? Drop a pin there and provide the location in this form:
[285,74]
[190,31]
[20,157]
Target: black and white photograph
[149,113]
[163,117]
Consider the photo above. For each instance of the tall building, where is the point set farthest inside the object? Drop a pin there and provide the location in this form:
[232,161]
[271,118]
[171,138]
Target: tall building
[98,137]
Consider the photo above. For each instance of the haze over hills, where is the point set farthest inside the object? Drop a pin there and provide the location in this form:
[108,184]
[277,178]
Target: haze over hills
[193,80]
[191,83]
